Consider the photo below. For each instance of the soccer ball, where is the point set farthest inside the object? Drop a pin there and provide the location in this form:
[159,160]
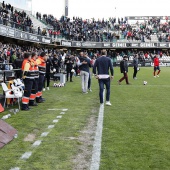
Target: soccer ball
[145,83]
[73,71]
[55,85]
[62,84]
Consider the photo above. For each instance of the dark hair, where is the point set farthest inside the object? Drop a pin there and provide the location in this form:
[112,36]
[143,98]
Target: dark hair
[26,55]
[103,52]
[42,54]
[33,54]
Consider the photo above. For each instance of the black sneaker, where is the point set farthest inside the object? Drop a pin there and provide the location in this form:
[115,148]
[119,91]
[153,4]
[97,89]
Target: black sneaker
[34,104]
[25,109]
[43,99]
[40,101]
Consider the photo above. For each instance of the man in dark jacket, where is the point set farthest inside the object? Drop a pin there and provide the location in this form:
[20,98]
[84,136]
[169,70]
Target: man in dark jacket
[49,66]
[135,66]
[124,70]
[18,65]
[69,66]
[56,65]
[84,64]
[103,65]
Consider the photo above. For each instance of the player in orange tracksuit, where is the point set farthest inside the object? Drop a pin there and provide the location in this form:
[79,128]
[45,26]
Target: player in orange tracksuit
[41,61]
[28,77]
[34,90]
[156,66]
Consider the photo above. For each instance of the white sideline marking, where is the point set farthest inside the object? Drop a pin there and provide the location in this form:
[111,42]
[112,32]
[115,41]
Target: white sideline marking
[50,126]
[95,163]
[26,155]
[37,143]
[59,117]
[44,134]
[55,120]
[58,109]
[16,168]
[62,113]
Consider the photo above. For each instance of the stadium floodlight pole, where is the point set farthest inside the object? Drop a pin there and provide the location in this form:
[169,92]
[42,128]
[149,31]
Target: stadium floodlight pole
[66,8]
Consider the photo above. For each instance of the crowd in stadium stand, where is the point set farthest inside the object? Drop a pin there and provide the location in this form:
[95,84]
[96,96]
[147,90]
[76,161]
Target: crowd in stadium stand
[77,29]
[14,18]
[110,30]
[14,54]
[147,28]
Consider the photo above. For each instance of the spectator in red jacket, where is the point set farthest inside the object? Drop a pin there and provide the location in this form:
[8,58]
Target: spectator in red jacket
[156,66]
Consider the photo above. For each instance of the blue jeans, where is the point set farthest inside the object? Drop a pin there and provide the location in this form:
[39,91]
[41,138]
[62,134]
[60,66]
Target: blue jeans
[105,82]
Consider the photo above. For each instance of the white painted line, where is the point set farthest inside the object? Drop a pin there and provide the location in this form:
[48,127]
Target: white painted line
[26,155]
[95,163]
[64,110]
[55,120]
[44,134]
[59,117]
[37,143]
[62,113]
[16,168]
[50,126]
[58,109]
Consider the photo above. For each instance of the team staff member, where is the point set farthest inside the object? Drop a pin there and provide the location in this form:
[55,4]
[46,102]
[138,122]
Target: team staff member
[28,77]
[135,66]
[41,61]
[56,65]
[34,90]
[103,64]
[156,66]
[69,66]
[84,64]
[124,70]
[49,66]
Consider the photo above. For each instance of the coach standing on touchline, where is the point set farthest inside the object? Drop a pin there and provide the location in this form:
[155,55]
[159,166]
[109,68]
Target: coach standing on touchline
[103,65]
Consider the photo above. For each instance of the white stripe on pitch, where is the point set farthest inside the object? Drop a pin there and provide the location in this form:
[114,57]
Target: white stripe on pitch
[64,110]
[37,143]
[44,134]
[95,163]
[26,155]
[16,168]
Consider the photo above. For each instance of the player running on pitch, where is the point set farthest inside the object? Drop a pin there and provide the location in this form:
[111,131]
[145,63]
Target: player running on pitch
[156,66]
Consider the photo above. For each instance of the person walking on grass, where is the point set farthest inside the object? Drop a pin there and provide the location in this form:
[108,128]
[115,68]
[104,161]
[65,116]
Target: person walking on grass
[156,66]
[103,64]
[135,66]
[124,70]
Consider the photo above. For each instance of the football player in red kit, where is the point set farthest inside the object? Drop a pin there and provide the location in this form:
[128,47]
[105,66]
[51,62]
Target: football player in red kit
[156,66]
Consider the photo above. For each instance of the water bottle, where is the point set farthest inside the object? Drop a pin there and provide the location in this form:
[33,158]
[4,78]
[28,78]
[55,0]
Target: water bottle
[9,115]
[4,117]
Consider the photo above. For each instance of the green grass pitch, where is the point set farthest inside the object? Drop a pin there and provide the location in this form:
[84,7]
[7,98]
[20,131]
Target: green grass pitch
[135,131]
